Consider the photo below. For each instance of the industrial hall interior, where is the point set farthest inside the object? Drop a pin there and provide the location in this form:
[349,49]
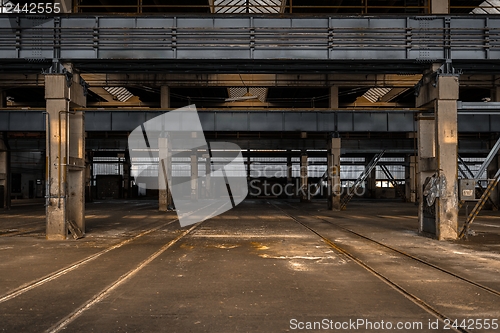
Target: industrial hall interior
[249,166]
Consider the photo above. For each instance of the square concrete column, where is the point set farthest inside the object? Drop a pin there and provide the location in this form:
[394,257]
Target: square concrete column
[65,155]
[411,178]
[333,169]
[194,174]
[334,97]
[289,168]
[76,170]
[208,174]
[438,142]
[249,164]
[490,173]
[371,181]
[126,176]
[440,6]
[495,164]
[89,160]
[165,97]
[304,188]
[5,178]
[165,201]
[3,98]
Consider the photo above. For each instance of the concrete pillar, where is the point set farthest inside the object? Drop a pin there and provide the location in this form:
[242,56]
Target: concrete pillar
[371,181]
[495,195]
[334,97]
[440,7]
[3,98]
[490,173]
[249,165]
[126,176]
[5,178]
[411,179]
[76,170]
[165,97]
[208,177]
[289,168]
[165,201]
[333,169]
[438,142]
[65,155]
[89,159]
[304,189]
[194,174]
[495,94]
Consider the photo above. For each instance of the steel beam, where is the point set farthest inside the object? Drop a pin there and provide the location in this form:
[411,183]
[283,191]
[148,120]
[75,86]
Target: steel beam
[253,80]
[191,80]
[319,120]
[389,39]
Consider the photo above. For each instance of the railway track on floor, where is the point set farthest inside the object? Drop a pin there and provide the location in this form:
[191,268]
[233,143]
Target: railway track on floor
[107,290]
[410,296]
[71,267]
[425,262]
[20,231]
[24,228]
[117,283]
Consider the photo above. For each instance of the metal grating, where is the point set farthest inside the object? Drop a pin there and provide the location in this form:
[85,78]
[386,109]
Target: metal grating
[248,6]
[121,93]
[374,94]
[488,7]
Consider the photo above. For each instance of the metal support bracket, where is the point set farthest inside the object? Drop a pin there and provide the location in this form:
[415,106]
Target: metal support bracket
[418,86]
[447,69]
[69,77]
[85,86]
[56,68]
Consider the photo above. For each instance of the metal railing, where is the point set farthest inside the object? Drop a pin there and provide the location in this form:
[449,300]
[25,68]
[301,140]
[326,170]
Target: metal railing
[262,38]
[254,7]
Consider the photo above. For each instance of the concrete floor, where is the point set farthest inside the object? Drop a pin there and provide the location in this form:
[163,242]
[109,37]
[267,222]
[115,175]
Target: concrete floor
[253,269]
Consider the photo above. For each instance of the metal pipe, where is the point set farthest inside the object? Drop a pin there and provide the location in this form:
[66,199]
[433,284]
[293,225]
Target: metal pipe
[47,162]
[59,163]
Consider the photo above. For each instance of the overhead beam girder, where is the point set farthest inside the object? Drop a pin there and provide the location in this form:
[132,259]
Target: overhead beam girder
[254,80]
[470,121]
[248,80]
